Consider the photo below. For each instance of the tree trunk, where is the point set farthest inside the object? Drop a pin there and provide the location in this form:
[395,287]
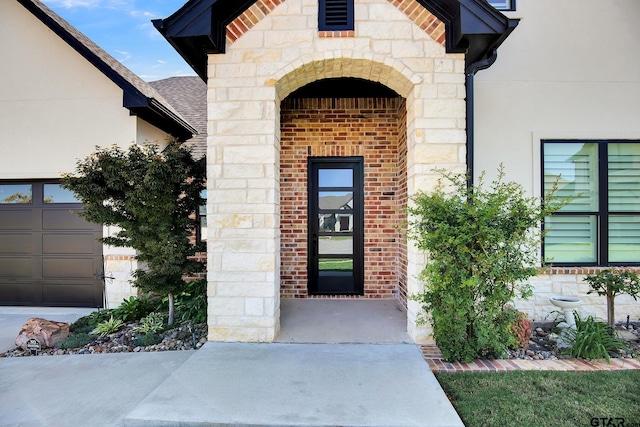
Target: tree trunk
[611,317]
[171,308]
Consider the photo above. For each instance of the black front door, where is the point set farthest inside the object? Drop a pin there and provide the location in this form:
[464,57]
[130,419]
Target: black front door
[336,226]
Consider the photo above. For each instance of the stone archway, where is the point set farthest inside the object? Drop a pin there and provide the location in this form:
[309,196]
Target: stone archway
[244,157]
[376,68]
[305,126]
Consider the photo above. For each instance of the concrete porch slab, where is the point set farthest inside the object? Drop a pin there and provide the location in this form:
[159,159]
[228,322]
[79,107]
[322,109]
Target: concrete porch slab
[239,384]
[335,321]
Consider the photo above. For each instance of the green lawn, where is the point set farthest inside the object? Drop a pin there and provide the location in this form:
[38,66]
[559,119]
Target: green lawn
[545,398]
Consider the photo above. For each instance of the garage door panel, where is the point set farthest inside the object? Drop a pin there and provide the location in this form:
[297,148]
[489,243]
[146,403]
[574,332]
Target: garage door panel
[16,243]
[64,219]
[20,293]
[48,254]
[57,268]
[83,243]
[81,294]
[15,268]
[13,220]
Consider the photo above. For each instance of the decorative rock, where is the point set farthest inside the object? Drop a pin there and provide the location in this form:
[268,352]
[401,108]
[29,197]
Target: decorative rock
[47,332]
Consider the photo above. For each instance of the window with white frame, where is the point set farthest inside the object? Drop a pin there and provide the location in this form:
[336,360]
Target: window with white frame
[600,224]
[503,4]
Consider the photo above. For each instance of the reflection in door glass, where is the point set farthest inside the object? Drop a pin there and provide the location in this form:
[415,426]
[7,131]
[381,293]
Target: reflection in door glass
[15,193]
[335,200]
[335,245]
[335,223]
[335,264]
[335,177]
[53,193]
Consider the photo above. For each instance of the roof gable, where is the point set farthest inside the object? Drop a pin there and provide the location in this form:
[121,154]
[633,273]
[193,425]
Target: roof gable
[201,27]
[138,96]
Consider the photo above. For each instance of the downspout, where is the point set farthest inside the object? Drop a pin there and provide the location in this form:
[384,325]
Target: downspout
[471,70]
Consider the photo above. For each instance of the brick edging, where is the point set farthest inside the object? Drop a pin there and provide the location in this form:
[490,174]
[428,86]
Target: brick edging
[433,357]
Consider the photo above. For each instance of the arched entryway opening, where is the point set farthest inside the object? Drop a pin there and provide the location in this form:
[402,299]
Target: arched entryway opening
[343,192]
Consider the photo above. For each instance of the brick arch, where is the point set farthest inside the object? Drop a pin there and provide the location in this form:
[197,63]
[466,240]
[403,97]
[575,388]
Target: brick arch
[377,68]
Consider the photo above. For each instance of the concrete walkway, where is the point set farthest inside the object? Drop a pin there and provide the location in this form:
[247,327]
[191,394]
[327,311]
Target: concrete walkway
[337,378]
[226,384]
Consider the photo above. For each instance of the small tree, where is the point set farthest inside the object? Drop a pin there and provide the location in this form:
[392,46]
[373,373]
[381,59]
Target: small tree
[611,283]
[482,246]
[151,196]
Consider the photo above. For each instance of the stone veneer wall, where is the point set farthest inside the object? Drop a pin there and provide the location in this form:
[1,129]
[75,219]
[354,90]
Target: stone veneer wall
[367,127]
[569,281]
[282,52]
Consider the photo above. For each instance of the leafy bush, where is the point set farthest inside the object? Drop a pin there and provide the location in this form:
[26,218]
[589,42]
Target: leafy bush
[191,305]
[153,323]
[147,339]
[592,339]
[76,340]
[520,328]
[107,327]
[150,194]
[134,308]
[482,246]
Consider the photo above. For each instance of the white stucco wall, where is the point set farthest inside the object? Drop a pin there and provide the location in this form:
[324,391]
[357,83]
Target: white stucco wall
[568,71]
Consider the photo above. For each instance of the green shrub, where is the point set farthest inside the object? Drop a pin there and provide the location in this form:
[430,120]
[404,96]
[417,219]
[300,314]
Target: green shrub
[482,246]
[76,340]
[592,339]
[147,339]
[134,308]
[153,323]
[107,327]
[191,305]
[520,328]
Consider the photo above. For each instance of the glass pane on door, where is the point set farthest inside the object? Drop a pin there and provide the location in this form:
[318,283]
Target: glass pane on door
[335,178]
[335,245]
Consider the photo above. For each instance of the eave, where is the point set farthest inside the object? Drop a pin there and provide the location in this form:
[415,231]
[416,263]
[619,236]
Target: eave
[473,27]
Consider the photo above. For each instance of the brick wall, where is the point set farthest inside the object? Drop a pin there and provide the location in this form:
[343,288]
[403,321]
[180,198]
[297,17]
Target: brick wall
[374,129]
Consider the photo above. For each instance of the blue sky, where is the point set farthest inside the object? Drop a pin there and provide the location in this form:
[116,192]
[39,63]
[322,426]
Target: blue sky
[123,28]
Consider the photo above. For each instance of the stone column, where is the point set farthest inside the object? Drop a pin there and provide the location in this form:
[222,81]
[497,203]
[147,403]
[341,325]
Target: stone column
[242,206]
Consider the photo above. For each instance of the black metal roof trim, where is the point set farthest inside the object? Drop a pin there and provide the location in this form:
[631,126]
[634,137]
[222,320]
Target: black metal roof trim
[197,29]
[473,27]
[138,96]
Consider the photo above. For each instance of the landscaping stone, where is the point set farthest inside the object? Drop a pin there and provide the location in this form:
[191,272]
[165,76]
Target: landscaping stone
[183,337]
[47,332]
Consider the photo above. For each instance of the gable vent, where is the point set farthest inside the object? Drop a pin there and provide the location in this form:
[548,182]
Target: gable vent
[335,15]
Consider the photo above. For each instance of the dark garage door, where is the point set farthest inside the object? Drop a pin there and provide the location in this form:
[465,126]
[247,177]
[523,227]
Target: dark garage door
[49,256]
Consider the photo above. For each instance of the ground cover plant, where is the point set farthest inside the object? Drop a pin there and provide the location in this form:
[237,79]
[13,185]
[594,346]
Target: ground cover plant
[592,339]
[481,245]
[545,398]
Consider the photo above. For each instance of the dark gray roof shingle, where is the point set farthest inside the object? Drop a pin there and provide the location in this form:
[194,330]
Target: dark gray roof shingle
[188,95]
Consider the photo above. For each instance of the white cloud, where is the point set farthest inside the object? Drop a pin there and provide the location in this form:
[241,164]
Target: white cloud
[125,55]
[68,4]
